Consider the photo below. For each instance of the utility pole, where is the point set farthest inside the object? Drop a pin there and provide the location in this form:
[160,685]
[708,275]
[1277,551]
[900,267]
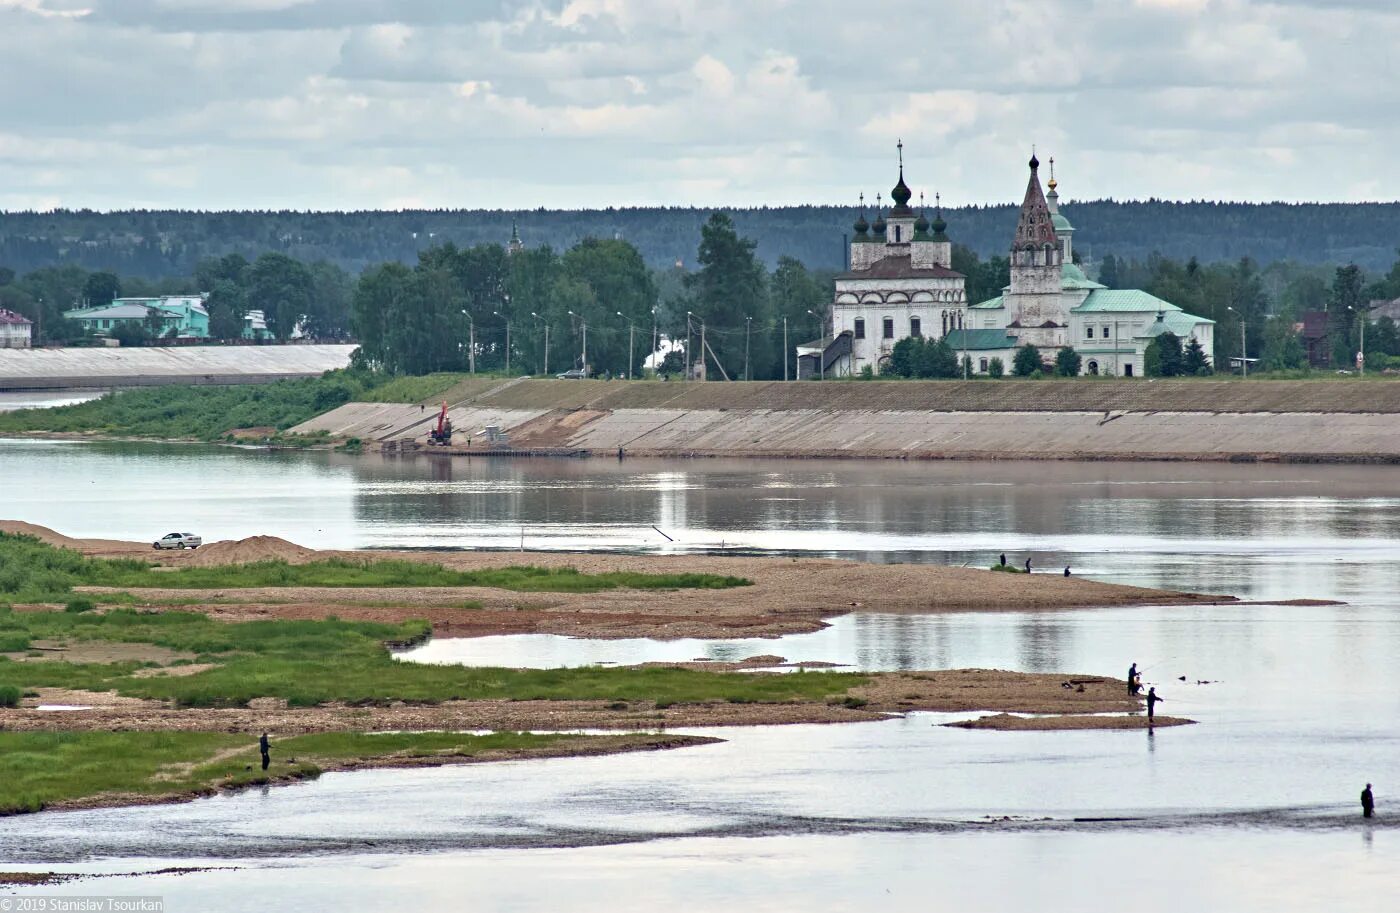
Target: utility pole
[546,340]
[630,362]
[584,324]
[655,340]
[507,320]
[471,342]
[785,348]
[1244,355]
[748,325]
[821,349]
[702,346]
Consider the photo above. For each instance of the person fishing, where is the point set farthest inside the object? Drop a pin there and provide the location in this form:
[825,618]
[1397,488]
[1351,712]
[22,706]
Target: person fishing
[1003,559]
[264,746]
[1368,802]
[1152,700]
[1028,565]
[1134,681]
[1066,570]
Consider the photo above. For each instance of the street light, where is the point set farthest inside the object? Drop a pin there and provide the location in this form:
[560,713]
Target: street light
[785,348]
[584,324]
[689,315]
[471,342]
[1361,356]
[1244,360]
[507,320]
[630,328]
[821,349]
[546,340]
[748,326]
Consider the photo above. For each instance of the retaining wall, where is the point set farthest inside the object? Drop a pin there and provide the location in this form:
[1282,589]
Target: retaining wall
[61,369]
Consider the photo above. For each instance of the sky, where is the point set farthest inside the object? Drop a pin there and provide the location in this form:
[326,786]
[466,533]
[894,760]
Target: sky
[518,104]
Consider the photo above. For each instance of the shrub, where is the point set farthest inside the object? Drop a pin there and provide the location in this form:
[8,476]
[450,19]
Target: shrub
[996,368]
[1068,362]
[1027,361]
[79,605]
[9,696]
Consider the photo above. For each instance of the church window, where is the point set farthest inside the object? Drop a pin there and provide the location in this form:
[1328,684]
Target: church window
[982,365]
[915,327]
[898,233]
[1105,332]
[860,328]
[889,328]
[1088,332]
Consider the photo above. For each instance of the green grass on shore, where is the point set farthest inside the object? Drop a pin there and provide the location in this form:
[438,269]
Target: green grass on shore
[316,662]
[414,389]
[339,572]
[33,571]
[40,769]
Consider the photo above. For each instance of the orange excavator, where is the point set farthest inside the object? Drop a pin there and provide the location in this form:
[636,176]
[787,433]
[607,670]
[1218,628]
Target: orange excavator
[441,436]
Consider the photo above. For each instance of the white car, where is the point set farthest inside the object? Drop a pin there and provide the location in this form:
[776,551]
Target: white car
[178,540]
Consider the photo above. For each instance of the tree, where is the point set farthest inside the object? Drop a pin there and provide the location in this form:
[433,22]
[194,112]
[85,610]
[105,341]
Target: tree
[328,312]
[1164,357]
[622,291]
[131,333]
[1342,308]
[281,288]
[904,358]
[1068,362]
[1283,350]
[1026,362]
[673,362]
[1194,362]
[1384,337]
[375,304]
[1108,271]
[231,267]
[996,368]
[729,287]
[100,289]
[227,305]
[936,359]
[793,291]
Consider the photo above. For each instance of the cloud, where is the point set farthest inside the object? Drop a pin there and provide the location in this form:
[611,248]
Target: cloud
[522,103]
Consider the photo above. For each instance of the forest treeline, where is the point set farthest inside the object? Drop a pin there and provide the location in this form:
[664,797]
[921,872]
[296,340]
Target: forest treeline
[159,243]
[599,303]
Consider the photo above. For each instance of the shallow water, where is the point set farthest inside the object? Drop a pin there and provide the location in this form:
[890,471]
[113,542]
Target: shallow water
[1252,809]
[44,399]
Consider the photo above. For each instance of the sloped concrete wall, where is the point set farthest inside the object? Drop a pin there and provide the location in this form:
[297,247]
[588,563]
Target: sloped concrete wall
[56,369]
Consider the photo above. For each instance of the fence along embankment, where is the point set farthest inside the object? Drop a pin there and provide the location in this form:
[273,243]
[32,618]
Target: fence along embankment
[1328,421]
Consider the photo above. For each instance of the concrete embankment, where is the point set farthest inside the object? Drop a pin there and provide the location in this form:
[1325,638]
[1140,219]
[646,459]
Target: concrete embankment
[1304,421]
[67,369]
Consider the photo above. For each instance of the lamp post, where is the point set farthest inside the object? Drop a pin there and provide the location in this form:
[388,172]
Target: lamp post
[630,328]
[583,323]
[785,348]
[1361,355]
[1244,359]
[471,342]
[507,320]
[748,326]
[688,317]
[546,340]
[655,339]
[821,349]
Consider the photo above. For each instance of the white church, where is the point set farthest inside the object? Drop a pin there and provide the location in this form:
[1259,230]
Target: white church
[901,283]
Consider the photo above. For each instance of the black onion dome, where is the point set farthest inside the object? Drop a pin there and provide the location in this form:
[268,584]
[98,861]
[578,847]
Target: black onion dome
[1035,162]
[921,223]
[879,225]
[939,226]
[901,193]
[861,226]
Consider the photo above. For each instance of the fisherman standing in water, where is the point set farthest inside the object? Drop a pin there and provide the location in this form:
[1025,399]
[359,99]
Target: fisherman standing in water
[1152,700]
[1368,802]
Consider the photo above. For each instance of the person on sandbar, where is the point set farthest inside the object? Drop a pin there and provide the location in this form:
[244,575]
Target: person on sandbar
[1152,700]
[264,747]
[1368,802]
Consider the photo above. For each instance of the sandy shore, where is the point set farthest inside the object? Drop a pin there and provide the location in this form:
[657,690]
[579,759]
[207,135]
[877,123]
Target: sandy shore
[788,595]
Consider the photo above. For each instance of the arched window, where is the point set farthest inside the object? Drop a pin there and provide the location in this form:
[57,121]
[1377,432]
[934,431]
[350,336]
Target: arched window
[1092,367]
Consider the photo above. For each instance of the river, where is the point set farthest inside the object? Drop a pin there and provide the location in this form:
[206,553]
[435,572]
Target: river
[1252,809]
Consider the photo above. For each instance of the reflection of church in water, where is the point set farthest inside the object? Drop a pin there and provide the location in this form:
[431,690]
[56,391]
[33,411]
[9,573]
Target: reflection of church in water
[901,283]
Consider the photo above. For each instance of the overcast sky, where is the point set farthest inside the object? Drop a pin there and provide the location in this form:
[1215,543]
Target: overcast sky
[340,104]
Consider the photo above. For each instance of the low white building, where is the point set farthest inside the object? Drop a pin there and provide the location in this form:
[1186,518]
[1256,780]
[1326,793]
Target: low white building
[16,330]
[901,283]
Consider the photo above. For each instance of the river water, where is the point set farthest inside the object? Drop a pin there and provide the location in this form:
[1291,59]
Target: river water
[1252,809]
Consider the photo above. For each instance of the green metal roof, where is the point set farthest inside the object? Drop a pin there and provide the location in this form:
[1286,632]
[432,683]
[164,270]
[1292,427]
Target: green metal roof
[989,304]
[1071,276]
[1123,300]
[1178,322]
[1061,223]
[980,340]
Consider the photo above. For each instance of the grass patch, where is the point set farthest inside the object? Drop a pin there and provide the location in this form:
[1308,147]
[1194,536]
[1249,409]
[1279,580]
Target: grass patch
[33,571]
[39,769]
[201,413]
[315,662]
[338,572]
[413,389]
[1006,569]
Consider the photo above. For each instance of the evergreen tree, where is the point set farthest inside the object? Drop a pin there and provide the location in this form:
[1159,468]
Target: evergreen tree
[1027,361]
[100,289]
[1068,362]
[996,368]
[1194,362]
[793,292]
[1342,308]
[729,287]
[904,357]
[1164,357]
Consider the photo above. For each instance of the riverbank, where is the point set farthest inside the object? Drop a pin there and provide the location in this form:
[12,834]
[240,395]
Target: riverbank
[1305,421]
